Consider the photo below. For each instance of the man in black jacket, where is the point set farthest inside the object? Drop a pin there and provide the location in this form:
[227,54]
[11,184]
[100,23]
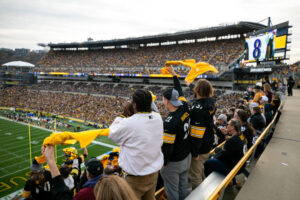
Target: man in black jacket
[291,84]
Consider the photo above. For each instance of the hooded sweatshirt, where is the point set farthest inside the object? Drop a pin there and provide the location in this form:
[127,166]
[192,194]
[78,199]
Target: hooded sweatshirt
[87,191]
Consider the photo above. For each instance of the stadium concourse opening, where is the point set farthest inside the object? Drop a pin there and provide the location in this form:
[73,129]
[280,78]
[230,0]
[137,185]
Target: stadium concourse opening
[87,86]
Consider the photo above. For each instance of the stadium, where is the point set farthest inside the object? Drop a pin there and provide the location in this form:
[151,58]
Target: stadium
[84,86]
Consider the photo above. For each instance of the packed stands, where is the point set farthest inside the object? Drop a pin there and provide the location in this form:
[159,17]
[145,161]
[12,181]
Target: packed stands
[101,110]
[146,60]
[99,103]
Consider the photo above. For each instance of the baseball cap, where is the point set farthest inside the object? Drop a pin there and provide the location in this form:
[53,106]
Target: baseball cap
[253,104]
[172,95]
[259,84]
[35,166]
[94,166]
[223,117]
[264,98]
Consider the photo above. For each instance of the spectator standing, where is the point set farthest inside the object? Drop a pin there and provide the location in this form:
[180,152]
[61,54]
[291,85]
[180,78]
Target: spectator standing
[291,84]
[176,146]
[140,137]
[202,129]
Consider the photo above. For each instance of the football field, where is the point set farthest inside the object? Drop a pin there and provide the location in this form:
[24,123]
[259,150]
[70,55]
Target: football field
[15,157]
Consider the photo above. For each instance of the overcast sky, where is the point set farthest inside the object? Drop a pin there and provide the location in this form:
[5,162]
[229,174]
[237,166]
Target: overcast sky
[24,23]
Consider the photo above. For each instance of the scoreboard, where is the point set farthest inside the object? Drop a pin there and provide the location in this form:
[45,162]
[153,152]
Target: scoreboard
[268,44]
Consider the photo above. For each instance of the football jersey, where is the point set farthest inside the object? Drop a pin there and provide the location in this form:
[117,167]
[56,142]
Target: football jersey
[38,191]
[176,146]
[176,137]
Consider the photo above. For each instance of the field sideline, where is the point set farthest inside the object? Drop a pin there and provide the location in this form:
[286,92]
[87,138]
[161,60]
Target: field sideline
[14,152]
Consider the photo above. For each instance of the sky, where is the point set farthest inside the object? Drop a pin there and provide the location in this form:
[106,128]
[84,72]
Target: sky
[25,23]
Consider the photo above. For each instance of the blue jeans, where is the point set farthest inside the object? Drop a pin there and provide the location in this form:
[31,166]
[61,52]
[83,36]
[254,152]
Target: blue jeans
[215,165]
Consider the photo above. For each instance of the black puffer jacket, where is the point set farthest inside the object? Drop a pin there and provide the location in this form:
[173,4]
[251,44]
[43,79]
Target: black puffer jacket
[268,113]
[202,126]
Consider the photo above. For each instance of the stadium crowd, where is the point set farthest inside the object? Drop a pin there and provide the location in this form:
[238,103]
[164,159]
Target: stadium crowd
[91,108]
[148,60]
[54,97]
[90,102]
[183,140]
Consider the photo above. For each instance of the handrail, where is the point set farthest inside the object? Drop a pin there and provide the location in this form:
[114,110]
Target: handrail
[238,166]
[159,191]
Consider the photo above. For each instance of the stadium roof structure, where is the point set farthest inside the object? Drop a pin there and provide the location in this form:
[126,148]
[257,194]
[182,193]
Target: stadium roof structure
[18,64]
[222,30]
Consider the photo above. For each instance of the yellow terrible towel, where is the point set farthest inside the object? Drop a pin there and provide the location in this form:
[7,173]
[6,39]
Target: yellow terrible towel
[84,138]
[196,68]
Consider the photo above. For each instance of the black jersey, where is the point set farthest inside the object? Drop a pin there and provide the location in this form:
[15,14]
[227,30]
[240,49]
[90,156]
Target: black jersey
[202,126]
[176,146]
[37,190]
[233,150]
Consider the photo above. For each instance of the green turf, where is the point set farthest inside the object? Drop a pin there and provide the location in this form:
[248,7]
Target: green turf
[15,158]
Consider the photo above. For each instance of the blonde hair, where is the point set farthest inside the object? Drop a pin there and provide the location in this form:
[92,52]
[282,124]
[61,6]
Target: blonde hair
[204,88]
[113,187]
[236,124]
